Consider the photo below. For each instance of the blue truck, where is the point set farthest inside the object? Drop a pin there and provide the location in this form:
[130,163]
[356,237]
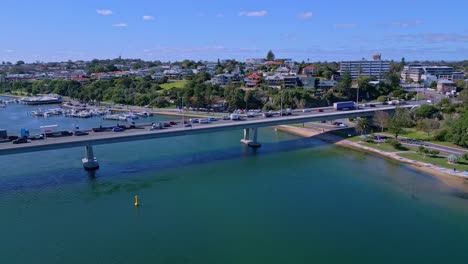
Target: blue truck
[344,105]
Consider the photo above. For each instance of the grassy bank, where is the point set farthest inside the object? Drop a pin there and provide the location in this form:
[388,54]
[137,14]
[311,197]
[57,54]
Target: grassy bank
[438,160]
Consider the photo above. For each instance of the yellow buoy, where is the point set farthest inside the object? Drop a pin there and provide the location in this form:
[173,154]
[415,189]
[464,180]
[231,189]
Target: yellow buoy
[136,201]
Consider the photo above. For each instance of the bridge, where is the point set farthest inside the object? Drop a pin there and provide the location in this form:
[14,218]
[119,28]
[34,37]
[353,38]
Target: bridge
[249,126]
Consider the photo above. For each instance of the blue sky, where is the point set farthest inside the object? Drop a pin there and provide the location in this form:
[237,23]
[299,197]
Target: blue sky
[59,30]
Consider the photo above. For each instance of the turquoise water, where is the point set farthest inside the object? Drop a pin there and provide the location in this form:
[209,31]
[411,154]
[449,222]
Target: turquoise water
[209,199]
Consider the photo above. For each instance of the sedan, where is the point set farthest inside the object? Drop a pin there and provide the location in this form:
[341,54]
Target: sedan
[20,140]
[81,133]
[117,129]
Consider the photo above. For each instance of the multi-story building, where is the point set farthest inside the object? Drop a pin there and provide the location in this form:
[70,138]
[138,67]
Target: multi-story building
[458,76]
[416,72]
[371,68]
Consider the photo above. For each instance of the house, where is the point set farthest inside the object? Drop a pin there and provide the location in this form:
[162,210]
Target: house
[290,81]
[308,82]
[173,73]
[446,86]
[326,84]
[282,70]
[252,80]
[274,80]
[309,70]
[223,79]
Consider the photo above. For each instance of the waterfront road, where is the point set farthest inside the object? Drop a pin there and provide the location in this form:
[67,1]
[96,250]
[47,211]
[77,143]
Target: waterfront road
[144,132]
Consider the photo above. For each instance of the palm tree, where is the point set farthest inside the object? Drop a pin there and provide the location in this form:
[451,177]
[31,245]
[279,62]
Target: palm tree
[362,125]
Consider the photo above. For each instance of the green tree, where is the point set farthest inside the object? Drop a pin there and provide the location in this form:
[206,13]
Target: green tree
[428,125]
[458,131]
[433,85]
[270,56]
[425,111]
[344,85]
[362,125]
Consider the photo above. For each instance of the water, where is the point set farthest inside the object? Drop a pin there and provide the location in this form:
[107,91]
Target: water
[209,199]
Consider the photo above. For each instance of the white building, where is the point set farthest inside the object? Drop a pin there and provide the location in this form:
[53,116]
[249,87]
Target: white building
[417,72]
[372,68]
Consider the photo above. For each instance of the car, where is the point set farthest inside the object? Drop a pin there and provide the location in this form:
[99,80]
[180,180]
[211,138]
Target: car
[305,110]
[194,120]
[188,125]
[20,140]
[172,123]
[319,110]
[204,121]
[384,103]
[66,133]
[117,129]
[336,123]
[166,125]
[371,105]
[37,136]
[81,133]
[226,117]
[428,101]
[212,119]
[342,125]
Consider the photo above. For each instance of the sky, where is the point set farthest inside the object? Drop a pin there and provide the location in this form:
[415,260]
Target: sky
[309,30]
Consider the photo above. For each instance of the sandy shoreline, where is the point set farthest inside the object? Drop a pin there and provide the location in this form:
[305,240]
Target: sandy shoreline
[447,176]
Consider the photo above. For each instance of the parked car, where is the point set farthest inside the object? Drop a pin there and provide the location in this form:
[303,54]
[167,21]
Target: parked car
[81,133]
[226,117]
[117,129]
[211,119]
[20,140]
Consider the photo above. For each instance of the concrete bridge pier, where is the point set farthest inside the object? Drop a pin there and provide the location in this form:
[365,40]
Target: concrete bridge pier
[90,162]
[251,140]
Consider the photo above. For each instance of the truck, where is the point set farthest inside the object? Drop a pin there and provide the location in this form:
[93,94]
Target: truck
[235,117]
[344,105]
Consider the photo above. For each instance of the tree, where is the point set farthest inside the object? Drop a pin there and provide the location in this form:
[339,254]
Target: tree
[18,63]
[394,126]
[362,125]
[270,56]
[344,86]
[428,125]
[458,131]
[382,118]
[433,85]
[425,111]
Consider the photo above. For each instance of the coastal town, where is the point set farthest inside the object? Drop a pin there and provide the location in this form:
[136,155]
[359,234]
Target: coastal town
[233,132]
[260,87]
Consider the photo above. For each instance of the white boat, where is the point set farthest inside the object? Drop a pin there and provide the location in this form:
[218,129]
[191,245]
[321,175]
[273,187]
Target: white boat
[2,105]
[37,112]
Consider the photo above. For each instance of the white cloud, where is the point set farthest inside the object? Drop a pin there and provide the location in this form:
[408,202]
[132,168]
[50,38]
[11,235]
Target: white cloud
[120,25]
[104,12]
[148,17]
[401,24]
[8,51]
[261,13]
[305,15]
[345,25]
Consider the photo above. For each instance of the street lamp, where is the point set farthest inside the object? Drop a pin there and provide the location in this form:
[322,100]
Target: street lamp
[281,112]
[357,97]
